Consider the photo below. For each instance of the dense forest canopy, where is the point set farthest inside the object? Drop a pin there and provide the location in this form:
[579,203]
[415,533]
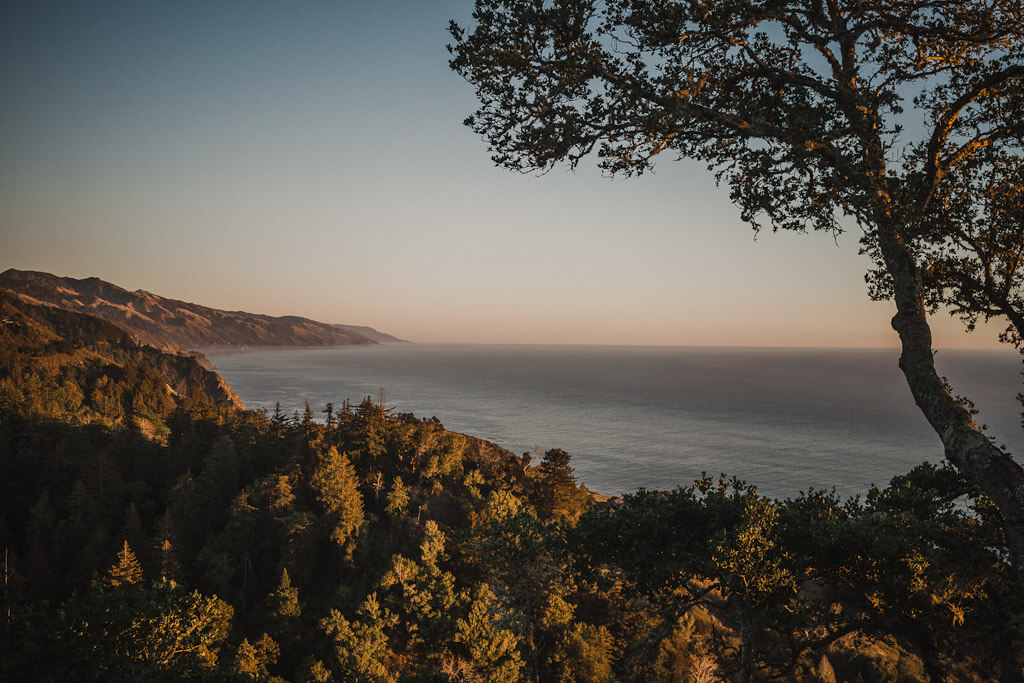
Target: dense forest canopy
[902,118]
[151,533]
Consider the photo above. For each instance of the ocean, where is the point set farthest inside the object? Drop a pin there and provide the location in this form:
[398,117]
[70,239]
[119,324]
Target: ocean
[656,417]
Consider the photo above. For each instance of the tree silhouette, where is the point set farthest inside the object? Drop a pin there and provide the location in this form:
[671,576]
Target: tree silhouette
[801,108]
[558,496]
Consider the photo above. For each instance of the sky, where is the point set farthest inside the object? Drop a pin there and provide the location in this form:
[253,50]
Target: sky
[310,159]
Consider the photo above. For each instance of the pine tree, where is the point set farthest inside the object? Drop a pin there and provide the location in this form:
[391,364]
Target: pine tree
[254,660]
[558,496]
[493,650]
[398,498]
[126,572]
[246,661]
[283,602]
[422,594]
[360,647]
[336,488]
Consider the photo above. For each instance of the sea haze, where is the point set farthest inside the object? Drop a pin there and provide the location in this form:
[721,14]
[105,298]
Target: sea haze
[656,417]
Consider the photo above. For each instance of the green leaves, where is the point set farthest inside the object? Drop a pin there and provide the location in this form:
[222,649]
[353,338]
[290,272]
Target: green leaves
[750,560]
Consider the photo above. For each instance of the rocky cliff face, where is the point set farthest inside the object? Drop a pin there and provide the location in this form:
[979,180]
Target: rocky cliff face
[174,325]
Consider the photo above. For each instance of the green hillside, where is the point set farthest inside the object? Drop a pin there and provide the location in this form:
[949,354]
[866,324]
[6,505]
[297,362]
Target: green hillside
[60,364]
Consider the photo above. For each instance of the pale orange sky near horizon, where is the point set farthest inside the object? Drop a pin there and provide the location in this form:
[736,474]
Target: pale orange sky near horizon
[314,163]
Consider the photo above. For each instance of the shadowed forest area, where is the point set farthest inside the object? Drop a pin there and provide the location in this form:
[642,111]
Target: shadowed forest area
[153,533]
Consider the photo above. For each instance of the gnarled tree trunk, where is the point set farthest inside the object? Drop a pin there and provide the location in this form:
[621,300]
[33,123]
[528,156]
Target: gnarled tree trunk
[966,446]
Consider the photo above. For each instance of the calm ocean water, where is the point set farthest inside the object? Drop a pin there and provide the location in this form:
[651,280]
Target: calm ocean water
[656,417]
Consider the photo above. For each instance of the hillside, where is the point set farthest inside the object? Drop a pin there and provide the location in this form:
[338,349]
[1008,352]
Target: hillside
[175,325]
[56,362]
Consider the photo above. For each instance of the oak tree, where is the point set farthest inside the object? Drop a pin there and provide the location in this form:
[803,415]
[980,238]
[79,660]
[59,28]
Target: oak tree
[903,119]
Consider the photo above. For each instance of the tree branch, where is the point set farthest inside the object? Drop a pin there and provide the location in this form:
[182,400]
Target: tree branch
[934,168]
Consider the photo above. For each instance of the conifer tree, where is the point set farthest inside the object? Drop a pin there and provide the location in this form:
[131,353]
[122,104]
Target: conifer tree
[276,494]
[361,650]
[254,660]
[218,483]
[189,523]
[336,488]
[398,498]
[228,557]
[492,649]
[557,495]
[126,572]
[39,568]
[371,428]
[278,421]
[283,601]
[169,567]
[422,594]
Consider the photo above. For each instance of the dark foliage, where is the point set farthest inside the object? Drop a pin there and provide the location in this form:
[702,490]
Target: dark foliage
[187,539]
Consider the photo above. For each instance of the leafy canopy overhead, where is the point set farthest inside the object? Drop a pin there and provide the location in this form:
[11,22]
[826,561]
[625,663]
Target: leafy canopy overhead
[801,107]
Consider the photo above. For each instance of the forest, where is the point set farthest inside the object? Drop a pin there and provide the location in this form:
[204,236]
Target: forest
[152,533]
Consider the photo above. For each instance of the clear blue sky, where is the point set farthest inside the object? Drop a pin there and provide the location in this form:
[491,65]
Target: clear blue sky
[309,159]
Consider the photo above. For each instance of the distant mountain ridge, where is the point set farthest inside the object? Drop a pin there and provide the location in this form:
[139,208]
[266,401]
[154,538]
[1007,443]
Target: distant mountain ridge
[176,325]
